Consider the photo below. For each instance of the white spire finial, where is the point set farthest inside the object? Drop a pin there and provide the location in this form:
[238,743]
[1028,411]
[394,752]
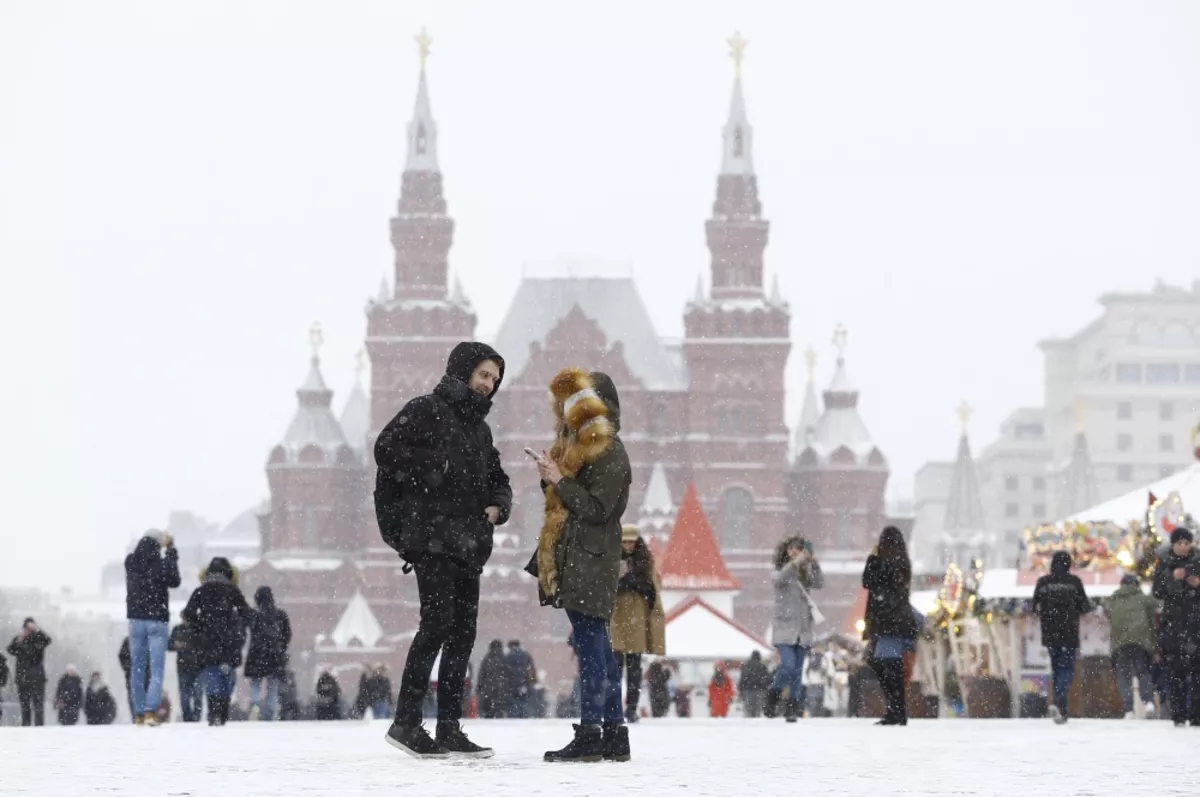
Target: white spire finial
[738,157]
[422,130]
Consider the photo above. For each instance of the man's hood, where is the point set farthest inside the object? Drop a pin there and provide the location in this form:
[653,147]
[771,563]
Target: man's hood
[466,357]
[1060,564]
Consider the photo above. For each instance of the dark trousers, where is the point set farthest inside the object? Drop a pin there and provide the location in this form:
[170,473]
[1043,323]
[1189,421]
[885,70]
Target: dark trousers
[1062,667]
[33,703]
[599,675]
[631,669]
[1130,661]
[449,592]
[1185,683]
[191,695]
[68,715]
[890,673]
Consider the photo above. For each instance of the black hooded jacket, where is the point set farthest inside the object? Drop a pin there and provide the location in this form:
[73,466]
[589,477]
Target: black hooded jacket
[219,614]
[439,470]
[148,577]
[1059,600]
[270,637]
[1179,629]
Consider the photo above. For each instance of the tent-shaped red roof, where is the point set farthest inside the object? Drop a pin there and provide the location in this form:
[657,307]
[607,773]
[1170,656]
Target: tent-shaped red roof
[692,560]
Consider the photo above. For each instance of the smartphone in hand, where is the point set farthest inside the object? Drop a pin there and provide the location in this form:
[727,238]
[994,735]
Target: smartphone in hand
[535,456]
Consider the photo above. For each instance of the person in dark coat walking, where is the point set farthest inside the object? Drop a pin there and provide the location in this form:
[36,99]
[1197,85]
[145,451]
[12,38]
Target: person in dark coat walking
[890,626]
[219,613]
[68,696]
[329,697]
[267,659]
[3,681]
[753,683]
[492,687]
[188,667]
[1059,600]
[149,575]
[1177,585]
[28,650]
[587,477]
[658,678]
[522,678]
[440,491]
[99,708]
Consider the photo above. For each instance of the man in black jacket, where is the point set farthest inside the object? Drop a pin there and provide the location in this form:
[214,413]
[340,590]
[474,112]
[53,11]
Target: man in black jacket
[28,649]
[1177,584]
[149,575]
[184,644]
[440,491]
[1059,600]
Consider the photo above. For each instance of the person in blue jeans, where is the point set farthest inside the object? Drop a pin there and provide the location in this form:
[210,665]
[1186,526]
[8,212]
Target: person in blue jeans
[150,573]
[1059,600]
[218,612]
[586,476]
[267,659]
[889,624]
[793,628]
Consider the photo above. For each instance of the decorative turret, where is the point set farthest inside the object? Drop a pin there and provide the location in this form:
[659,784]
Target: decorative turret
[692,564]
[964,531]
[356,413]
[810,412]
[840,438]
[314,436]
[1078,490]
[657,511]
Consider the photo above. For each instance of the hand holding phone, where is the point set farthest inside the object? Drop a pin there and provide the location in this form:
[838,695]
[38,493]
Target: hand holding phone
[535,456]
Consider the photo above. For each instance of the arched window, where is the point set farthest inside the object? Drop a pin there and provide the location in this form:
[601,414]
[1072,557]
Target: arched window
[737,516]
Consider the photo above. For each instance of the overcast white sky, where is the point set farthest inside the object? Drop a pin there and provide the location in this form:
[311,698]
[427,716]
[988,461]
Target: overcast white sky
[185,187]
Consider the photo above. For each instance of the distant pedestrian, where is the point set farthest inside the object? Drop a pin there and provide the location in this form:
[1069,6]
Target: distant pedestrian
[890,627]
[720,692]
[638,624]
[492,686]
[150,572]
[522,678]
[329,697]
[188,666]
[99,707]
[219,613]
[1177,584]
[68,696]
[793,629]
[658,676]
[753,683]
[1131,614]
[267,659]
[1059,600]
[28,650]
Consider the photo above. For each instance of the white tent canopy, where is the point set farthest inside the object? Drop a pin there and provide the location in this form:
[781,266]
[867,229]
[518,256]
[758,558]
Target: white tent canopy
[699,632]
[1134,504]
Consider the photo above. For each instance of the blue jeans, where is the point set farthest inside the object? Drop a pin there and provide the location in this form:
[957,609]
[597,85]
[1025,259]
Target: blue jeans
[191,696]
[266,712]
[219,681]
[791,671]
[379,709]
[1062,665]
[599,675]
[147,638]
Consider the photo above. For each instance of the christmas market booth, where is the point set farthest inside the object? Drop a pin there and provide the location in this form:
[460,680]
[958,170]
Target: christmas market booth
[982,654]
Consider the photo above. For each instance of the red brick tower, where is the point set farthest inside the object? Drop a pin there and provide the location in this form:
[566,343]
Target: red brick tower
[737,344]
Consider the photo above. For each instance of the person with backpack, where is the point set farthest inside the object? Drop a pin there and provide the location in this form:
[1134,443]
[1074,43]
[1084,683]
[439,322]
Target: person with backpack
[1131,614]
[1059,600]
[219,613]
[270,637]
[440,491]
[151,571]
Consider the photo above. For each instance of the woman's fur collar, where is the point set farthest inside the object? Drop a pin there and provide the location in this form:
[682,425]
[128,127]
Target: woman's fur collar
[582,434]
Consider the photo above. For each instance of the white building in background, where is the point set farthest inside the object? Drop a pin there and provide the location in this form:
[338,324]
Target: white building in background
[1121,397]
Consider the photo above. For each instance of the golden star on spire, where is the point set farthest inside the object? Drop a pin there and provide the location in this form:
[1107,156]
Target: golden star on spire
[423,40]
[965,411]
[840,334]
[316,336]
[737,51]
[810,362]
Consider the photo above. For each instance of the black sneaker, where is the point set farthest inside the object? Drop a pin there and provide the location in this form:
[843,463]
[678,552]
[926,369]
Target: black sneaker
[587,746]
[616,743]
[415,740]
[451,737]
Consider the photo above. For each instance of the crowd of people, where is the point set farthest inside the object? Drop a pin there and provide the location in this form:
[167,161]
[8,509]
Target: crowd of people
[440,492]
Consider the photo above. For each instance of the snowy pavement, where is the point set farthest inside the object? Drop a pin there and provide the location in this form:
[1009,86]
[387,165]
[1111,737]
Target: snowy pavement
[698,757]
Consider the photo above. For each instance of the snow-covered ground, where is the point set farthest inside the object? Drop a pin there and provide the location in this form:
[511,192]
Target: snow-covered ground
[696,757]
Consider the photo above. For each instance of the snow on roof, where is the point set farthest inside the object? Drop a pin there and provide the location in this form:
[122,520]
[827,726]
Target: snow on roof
[692,559]
[695,630]
[614,304]
[657,500]
[304,564]
[1009,582]
[313,424]
[358,624]
[1134,504]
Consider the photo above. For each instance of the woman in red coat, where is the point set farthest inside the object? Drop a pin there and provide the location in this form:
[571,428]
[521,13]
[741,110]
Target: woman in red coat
[720,692]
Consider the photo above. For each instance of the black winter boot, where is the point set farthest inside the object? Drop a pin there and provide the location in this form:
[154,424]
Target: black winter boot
[792,711]
[616,743]
[414,740]
[587,746]
[771,703]
[451,737]
[218,709]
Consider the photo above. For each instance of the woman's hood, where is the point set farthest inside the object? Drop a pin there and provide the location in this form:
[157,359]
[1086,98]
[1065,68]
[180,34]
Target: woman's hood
[607,391]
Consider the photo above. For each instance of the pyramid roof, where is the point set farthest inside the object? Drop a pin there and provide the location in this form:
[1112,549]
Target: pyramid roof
[692,559]
[358,624]
[695,630]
